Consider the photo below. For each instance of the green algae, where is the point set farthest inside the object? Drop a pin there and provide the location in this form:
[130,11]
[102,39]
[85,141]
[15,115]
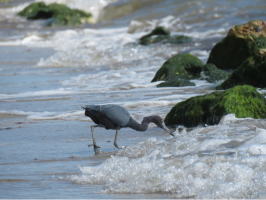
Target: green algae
[178,70]
[243,101]
[58,13]
[181,66]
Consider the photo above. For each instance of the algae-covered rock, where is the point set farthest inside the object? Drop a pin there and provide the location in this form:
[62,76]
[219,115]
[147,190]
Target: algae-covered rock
[251,72]
[176,83]
[239,44]
[58,13]
[160,34]
[178,70]
[157,31]
[212,74]
[243,101]
[181,66]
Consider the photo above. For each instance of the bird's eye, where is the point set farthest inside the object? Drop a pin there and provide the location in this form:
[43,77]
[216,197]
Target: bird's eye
[145,118]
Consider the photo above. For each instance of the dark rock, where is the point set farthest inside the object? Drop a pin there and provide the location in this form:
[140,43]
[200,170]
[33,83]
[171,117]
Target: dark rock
[160,34]
[243,101]
[251,72]
[157,31]
[239,44]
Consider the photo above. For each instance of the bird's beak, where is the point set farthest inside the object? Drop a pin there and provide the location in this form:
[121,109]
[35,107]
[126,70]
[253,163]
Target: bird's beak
[166,129]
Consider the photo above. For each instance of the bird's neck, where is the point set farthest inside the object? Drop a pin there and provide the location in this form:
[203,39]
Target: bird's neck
[137,126]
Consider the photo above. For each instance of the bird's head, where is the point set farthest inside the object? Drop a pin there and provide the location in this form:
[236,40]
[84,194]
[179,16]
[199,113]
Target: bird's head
[158,121]
[155,119]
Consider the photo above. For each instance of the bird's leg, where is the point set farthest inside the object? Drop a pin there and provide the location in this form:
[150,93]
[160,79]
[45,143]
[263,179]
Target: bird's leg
[96,148]
[116,139]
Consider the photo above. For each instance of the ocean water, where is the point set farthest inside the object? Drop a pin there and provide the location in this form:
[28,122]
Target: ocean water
[48,73]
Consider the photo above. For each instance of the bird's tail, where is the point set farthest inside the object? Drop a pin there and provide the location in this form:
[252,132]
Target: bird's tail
[83,107]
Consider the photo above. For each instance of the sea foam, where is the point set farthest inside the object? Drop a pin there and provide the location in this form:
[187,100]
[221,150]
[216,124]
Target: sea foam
[211,162]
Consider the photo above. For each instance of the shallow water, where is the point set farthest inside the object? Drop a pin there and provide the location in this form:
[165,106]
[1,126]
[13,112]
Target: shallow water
[48,73]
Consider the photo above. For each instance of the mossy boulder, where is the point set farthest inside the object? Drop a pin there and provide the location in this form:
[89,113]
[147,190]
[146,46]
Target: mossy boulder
[212,74]
[251,72]
[239,44]
[58,14]
[161,35]
[243,101]
[176,83]
[178,70]
[181,66]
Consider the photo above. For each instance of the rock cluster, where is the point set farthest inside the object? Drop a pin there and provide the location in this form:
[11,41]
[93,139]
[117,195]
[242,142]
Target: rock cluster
[242,50]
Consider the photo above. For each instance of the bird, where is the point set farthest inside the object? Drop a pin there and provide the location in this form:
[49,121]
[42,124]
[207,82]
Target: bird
[115,117]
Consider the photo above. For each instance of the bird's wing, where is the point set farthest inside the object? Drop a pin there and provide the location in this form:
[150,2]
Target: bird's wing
[115,113]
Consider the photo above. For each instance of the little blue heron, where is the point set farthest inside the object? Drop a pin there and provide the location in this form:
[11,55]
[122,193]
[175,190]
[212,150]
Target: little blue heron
[116,117]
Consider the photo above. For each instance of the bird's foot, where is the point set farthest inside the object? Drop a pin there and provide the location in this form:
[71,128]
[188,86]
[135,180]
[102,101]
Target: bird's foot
[122,147]
[96,148]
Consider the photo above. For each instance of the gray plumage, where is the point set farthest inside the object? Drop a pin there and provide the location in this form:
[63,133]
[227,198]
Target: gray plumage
[116,117]
[119,115]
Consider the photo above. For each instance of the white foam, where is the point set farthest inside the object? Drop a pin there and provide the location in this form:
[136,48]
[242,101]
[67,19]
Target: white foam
[68,115]
[231,118]
[103,47]
[177,26]
[60,91]
[207,34]
[123,79]
[31,38]
[201,83]
[9,13]
[256,145]
[197,164]
[201,54]
[146,26]
[150,103]
[17,112]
